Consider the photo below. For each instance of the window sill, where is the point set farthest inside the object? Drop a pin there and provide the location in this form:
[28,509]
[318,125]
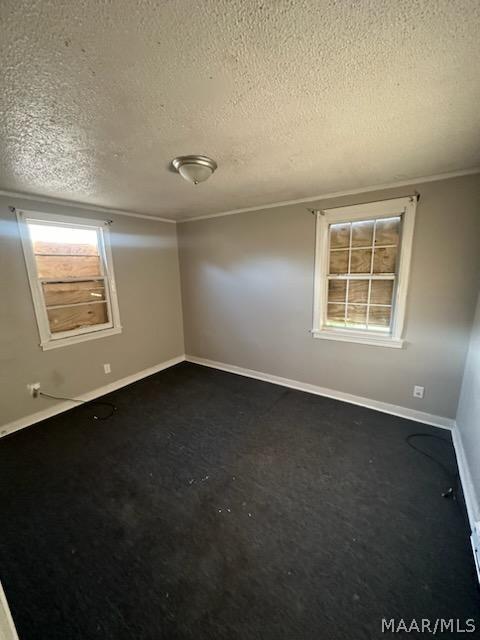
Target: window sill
[360,338]
[83,337]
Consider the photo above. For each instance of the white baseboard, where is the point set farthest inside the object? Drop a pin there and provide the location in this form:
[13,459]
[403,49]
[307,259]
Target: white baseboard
[472,501]
[59,407]
[7,628]
[384,407]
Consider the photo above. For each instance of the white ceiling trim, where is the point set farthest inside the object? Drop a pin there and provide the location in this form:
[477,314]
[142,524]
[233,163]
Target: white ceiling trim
[337,194]
[307,97]
[323,196]
[82,205]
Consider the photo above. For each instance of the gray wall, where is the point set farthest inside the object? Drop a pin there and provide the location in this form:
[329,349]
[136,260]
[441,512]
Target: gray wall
[145,259]
[247,288]
[468,416]
[247,283]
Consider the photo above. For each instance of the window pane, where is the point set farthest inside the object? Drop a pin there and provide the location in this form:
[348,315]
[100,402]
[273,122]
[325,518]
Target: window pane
[387,231]
[381,292]
[49,248]
[379,316]
[76,317]
[384,260]
[356,315]
[364,257]
[71,292]
[338,261]
[65,252]
[339,235]
[67,266]
[358,291]
[361,261]
[336,314]
[337,290]
[362,233]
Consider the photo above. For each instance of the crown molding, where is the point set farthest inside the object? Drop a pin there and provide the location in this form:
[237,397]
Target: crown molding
[82,205]
[273,205]
[337,194]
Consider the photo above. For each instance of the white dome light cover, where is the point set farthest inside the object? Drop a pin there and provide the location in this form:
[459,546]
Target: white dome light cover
[194,169]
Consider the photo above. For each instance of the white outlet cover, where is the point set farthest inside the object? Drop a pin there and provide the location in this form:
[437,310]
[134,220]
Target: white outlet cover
[34,386]
[418,391]
[107,368]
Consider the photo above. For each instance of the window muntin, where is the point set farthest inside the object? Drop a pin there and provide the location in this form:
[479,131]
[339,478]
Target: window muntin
[362,273]
[71,277]
[362,262]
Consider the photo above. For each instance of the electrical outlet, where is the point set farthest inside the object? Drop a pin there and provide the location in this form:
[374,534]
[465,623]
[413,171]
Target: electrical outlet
[107,368]
[418,392]
[34,389]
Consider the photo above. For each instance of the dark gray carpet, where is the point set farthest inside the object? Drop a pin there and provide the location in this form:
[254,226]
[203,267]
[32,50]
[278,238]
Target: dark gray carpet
[212,506]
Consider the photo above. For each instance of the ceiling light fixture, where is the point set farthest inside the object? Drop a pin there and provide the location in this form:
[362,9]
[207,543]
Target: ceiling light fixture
[195,169]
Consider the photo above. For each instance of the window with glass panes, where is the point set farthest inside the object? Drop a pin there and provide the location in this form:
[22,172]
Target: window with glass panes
[361,274]
[362,262]
[70,272]
[71,277]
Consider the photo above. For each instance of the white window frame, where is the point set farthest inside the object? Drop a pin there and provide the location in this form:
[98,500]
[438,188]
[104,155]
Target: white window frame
[404,207]
[49,340]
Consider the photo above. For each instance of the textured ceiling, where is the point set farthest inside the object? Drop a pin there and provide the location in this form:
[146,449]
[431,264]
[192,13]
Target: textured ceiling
[292,97]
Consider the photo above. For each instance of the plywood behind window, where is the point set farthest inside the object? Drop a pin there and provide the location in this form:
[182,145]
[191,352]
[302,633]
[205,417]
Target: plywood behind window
[339,262]
[361,251]
[56,293]
[336,314]
[361,261]
[382,292]
[356,314]
[75,317]
[66,259]
[74,266]
[339,236]
[384,260]
[387,231]
[358,291]
[362,233]
[379,316]
[337,290]
[40,247]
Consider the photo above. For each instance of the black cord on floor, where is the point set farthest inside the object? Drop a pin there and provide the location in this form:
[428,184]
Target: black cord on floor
[113,408]
[452,491]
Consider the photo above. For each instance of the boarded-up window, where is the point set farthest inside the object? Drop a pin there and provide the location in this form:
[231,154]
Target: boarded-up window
[362,263]
[362,271]
[70,271]
[70,278]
